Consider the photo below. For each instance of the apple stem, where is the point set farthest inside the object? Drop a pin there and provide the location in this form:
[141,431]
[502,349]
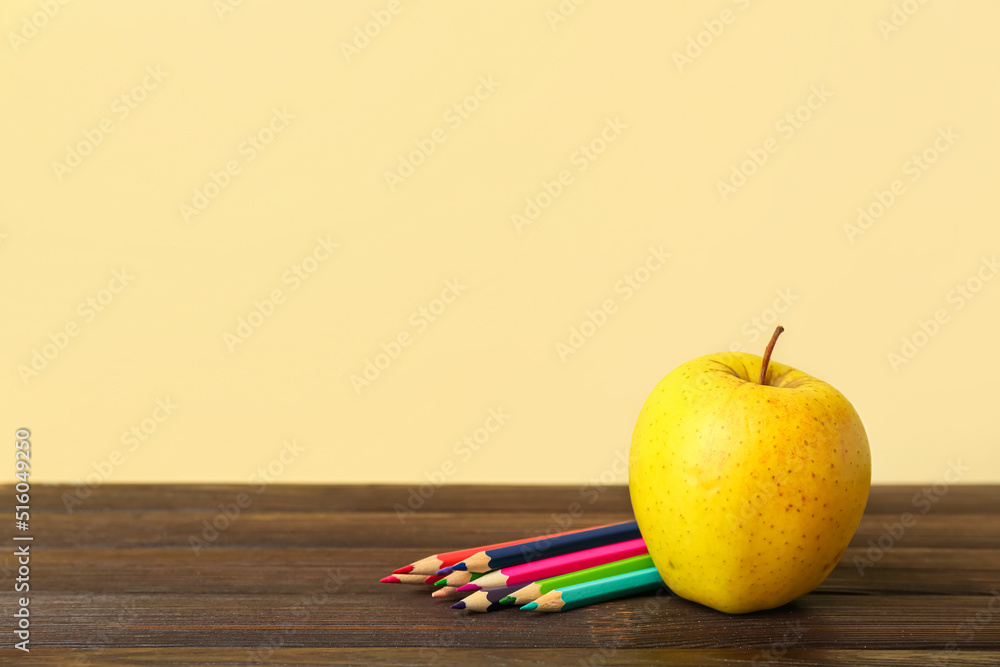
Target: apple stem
[767,353]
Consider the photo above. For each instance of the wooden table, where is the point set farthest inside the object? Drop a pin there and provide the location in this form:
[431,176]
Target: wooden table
[292,580]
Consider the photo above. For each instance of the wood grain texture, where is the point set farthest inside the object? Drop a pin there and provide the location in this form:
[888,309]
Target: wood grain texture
[394,657]
[293,580]
[453,498]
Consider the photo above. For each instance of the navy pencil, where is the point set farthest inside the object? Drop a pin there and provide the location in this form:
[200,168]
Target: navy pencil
[547,547]
[487,599]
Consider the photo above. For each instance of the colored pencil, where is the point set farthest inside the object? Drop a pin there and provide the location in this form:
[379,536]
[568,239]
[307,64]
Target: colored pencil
[457,578]
[546,547]
[411,579]
[487,599]
[431,564]
[537,589]
[447,592]
[550,567]
[601,590]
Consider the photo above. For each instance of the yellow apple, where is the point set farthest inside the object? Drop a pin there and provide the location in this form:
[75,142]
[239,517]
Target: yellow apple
[747,485]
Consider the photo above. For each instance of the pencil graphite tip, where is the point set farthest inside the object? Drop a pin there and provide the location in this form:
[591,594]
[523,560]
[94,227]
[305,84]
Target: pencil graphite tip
[441,582]
[445,570]
[510,599]
[389,580]
[439,593]
[433,579]
[470,587]
[529,606]
[460,566]
[459,605]
[403,570]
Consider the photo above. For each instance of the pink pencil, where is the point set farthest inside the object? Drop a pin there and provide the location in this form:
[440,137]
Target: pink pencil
[550,567]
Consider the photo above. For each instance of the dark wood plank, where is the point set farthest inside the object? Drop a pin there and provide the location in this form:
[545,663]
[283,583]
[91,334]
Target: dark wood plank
[452,498]
[960,531]
[303,570]
[405,657]
[394,618]
[904,571]
[297,571]
[425,532]
[456,498]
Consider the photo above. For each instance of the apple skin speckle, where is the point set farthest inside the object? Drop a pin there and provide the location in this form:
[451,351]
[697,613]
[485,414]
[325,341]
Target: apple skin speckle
[723,537]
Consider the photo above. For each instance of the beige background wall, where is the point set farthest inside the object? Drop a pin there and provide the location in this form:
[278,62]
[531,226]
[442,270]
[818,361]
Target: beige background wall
[167,166]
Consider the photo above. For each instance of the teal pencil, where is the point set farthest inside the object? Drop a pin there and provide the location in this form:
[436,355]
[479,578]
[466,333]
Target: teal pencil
[600,590]
[537,589]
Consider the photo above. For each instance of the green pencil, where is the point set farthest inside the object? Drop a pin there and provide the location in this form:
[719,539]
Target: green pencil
[539,588]
[601,590]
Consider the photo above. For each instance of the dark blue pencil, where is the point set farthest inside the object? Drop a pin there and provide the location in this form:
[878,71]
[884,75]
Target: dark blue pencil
[547,547]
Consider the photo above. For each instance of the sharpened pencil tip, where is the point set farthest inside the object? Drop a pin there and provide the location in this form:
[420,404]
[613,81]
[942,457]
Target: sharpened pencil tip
[403,570]
[439,593]
[459,605]
[389,580]
[510,599]
[441,582]
[470,587]
[460,566]
[529,606]
[445,570]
